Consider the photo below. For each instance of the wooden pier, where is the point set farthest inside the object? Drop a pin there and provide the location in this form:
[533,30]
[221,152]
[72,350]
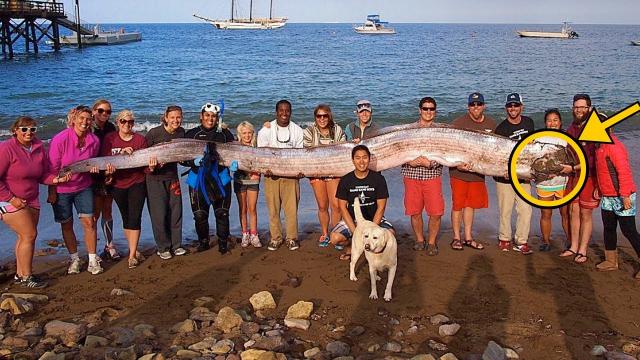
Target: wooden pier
[32,21]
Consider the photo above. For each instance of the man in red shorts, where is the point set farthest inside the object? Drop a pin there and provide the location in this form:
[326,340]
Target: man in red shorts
[468,190]
[423,187]
[581,209]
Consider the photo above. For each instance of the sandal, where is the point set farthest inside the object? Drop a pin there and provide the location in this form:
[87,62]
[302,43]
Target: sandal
[456,244]
[473,244]
[324,241]
[580,258]
[567,252]
[418,245]
[345,257]
[432,249]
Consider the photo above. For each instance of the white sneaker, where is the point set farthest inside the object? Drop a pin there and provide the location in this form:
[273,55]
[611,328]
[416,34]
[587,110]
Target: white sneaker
[246,238]
[179,251]
[94,267]
[255,241]
[165,255]
[74,267]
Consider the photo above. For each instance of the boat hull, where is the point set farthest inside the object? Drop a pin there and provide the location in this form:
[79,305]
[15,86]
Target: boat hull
[543,34]
[386,31]
[636,43]
[102,39]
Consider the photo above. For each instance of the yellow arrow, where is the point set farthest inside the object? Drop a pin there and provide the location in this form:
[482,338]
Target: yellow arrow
[596,131]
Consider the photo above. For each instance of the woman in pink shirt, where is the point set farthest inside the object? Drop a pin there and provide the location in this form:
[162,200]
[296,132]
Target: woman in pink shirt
[23,166]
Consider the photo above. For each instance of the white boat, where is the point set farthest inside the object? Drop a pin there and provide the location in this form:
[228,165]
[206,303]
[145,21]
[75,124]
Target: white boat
[565,33]
[636,43]
[373,26]
[251,23]
[102,37]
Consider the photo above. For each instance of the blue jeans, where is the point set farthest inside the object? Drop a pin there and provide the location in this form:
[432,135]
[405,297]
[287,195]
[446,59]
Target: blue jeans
[82,200]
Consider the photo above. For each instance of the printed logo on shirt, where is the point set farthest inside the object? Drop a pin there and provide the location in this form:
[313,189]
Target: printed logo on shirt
[116,151]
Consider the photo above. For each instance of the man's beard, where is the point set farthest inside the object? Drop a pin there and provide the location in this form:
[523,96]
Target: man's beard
[580,120]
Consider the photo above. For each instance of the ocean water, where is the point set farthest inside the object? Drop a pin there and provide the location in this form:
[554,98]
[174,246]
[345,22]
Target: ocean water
[190,64]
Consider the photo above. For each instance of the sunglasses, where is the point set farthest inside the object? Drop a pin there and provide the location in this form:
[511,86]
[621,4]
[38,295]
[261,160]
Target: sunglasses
[475,104]
[425,108]
[102,111]
[125,122]
[512,105]
[24,129]
[322,116]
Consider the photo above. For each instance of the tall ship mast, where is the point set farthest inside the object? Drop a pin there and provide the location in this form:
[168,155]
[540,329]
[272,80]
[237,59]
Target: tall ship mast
[251,23]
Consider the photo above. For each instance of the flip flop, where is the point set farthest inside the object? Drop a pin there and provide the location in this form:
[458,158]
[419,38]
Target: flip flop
[569,251]
[345,257]
[456,244]
[580,258]
[473,244]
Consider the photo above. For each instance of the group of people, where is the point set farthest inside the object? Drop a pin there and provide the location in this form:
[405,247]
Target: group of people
[25,163]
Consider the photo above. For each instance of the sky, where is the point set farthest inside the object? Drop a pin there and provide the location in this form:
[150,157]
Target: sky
[354,11]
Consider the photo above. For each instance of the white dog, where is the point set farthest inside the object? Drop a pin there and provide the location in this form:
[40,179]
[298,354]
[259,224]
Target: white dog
[380,248]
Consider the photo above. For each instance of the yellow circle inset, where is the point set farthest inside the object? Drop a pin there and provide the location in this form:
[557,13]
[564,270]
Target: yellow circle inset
[525,195]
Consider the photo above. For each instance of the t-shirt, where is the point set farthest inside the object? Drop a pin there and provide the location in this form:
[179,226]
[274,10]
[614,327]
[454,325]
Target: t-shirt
[515,132]
[369,190]
[159,135]
[113,144]
[465,122]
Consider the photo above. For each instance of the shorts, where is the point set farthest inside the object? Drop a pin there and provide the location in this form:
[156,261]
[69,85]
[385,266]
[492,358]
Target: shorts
[101,189]
[586,198]
[6,208]
[614,203]
[471,194]
[342,228]
[557,194]
[315,180]
[82,200]
[427,194]
[240,187]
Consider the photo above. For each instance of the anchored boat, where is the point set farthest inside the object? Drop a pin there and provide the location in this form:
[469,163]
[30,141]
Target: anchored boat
[565,33]
[102,37]
[251,23]
[373,26]
[636,43]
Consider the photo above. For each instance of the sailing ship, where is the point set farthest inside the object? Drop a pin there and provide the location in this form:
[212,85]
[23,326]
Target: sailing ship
[565,33]
[235,23]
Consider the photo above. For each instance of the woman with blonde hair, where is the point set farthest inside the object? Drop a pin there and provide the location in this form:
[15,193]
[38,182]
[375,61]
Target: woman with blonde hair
[325,131]
[24,165]
[128,185]
[246,186]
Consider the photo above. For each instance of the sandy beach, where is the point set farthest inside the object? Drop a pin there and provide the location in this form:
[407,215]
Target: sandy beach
[543,306]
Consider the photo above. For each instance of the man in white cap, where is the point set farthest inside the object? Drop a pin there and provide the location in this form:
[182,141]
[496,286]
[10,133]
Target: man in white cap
[363,127]
[210,129]
[516,127]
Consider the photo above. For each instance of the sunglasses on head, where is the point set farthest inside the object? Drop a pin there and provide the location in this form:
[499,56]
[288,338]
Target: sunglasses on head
[426,108]
[102,111]
[24,129]
[125,121]
[476,103]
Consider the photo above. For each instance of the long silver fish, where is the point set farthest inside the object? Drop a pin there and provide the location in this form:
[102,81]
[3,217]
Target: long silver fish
[487,154]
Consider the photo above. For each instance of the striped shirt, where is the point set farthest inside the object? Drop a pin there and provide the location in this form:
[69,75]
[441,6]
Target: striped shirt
[313,137]
[421,172]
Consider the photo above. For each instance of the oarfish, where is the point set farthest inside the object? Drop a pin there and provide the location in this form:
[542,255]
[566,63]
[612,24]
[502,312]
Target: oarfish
[486,153]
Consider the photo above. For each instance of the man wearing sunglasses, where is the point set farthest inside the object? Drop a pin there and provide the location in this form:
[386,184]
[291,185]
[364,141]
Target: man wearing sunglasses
[282,192]
[423,187]
[363,126]
[468,190]
[210,129]
[516,127]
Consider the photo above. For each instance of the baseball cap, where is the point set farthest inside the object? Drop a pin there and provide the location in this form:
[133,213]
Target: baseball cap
[514,98]
[209,107]
[363,105]
[475,97]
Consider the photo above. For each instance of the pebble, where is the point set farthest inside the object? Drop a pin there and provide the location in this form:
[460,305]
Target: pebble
[249,344]
[205,344]
[373,348]
[121,292]
[338,348]
[448,329]
[392,346]
[95,341]
[439,319]
[493,351]
[356,331]
[412,330]
[273,333]
[34,298]
[511,354]
[223,347]
[300,310]
[202,301]
[184,327]
[598,350]
[434,345]
[16,306]
[297,323]
[614,355]
[423,357]
[227,320]
[262,301]
[631,348]
[187,354]
[448,356]
[312,352]
[394,322]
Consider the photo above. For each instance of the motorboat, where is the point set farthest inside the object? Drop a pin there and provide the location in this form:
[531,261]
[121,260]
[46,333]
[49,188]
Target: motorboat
[636,42]
[565,33]
[102,37]
[235,23]
[373,26]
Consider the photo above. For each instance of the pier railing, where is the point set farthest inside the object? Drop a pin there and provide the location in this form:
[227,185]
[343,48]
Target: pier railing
[19,8]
